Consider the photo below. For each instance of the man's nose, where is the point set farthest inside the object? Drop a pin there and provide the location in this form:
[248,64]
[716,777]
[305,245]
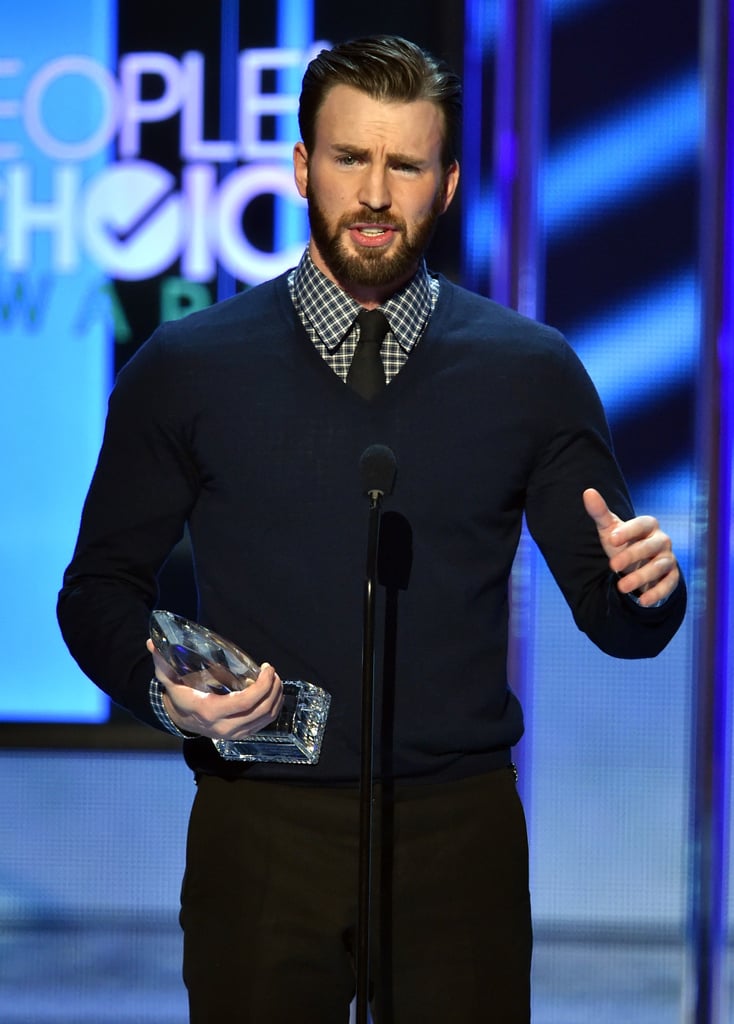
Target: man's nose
[374,189]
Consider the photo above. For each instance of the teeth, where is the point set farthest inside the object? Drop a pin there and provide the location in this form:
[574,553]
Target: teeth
[373,231]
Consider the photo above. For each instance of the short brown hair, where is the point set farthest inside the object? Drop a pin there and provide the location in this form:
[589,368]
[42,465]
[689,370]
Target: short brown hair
[386,68]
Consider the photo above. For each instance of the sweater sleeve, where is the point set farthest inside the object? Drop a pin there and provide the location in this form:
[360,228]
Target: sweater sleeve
[579,455]
[141,493]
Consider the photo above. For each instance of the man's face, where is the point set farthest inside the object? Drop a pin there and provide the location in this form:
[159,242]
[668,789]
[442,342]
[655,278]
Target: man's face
[375,186]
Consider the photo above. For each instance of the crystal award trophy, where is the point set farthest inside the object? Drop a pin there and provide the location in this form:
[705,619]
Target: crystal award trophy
[207,662]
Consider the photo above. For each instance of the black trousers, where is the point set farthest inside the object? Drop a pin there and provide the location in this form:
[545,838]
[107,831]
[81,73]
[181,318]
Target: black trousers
[269,903]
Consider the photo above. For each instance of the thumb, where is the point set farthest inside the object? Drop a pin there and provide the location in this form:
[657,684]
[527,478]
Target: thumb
[598,509]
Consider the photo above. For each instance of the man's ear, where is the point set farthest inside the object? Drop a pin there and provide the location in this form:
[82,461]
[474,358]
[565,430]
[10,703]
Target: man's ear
[300,168]
[450,183]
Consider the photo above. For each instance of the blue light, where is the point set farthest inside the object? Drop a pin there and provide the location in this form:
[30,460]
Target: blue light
[566,8]
[229,46]
[482,18]
[481,21]
[56,374]
[294,31]
[649,343]
[614,160]
[295,23]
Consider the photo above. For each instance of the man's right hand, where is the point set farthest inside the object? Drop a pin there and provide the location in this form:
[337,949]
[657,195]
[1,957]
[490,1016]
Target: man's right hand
[228,716]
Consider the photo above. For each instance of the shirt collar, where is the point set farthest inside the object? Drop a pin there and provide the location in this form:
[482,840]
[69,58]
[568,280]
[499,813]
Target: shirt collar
[331,311]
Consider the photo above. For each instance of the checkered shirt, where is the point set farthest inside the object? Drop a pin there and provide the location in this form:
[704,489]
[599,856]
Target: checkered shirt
[155,694]
[328,315]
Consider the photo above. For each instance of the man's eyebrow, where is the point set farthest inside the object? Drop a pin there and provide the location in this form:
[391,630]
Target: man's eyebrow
[363,154]
[344,147]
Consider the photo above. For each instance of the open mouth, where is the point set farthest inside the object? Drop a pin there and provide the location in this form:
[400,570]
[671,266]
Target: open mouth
[372,234]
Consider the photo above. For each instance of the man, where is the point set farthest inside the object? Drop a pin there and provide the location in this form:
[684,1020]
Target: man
[241,421]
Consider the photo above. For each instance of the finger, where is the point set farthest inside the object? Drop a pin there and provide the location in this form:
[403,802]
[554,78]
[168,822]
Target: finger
[637,531]
[641,550]
[598,509]
[244,729]
[650,575]
[240,725]
[260,693]
[238,713]
[161,668]
[266,711]
[260,698]
[151,649]
[651,594]
[271,701]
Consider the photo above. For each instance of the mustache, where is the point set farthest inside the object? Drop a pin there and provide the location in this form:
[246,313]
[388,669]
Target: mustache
[371,217]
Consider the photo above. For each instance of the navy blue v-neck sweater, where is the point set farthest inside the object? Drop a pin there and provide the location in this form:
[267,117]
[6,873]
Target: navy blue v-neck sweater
[230,420]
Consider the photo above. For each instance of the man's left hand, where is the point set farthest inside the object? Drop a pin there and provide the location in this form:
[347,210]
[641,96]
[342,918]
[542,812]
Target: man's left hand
[638,551]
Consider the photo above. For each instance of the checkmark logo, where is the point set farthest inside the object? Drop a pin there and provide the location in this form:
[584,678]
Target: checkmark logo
[134,219]
[122,235]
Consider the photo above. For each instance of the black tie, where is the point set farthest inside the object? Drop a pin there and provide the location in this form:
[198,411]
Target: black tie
[366,374]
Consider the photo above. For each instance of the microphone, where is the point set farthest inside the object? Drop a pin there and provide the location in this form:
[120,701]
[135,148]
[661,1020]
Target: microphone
[378,467]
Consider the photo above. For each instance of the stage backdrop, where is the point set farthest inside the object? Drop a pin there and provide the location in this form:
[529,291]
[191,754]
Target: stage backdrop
[145,172]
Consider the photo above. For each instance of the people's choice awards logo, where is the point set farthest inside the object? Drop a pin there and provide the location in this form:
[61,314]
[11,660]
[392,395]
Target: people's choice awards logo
[132,217]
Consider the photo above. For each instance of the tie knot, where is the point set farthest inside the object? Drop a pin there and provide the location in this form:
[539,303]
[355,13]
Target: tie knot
[373,325]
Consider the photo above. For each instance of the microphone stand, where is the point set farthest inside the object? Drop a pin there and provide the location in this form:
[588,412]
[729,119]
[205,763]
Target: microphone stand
[378,467]
[366,787]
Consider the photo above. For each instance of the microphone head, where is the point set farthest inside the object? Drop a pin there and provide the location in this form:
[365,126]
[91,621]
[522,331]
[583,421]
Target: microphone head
[378,467]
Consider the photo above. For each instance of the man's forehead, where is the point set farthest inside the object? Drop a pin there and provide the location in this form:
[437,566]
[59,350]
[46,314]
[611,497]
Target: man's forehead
[349,112]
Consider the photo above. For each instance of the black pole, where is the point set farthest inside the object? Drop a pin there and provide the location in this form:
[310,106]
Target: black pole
[378,467]
[367,772]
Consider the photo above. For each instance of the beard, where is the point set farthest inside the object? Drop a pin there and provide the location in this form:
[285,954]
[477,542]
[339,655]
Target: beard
[372,267]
